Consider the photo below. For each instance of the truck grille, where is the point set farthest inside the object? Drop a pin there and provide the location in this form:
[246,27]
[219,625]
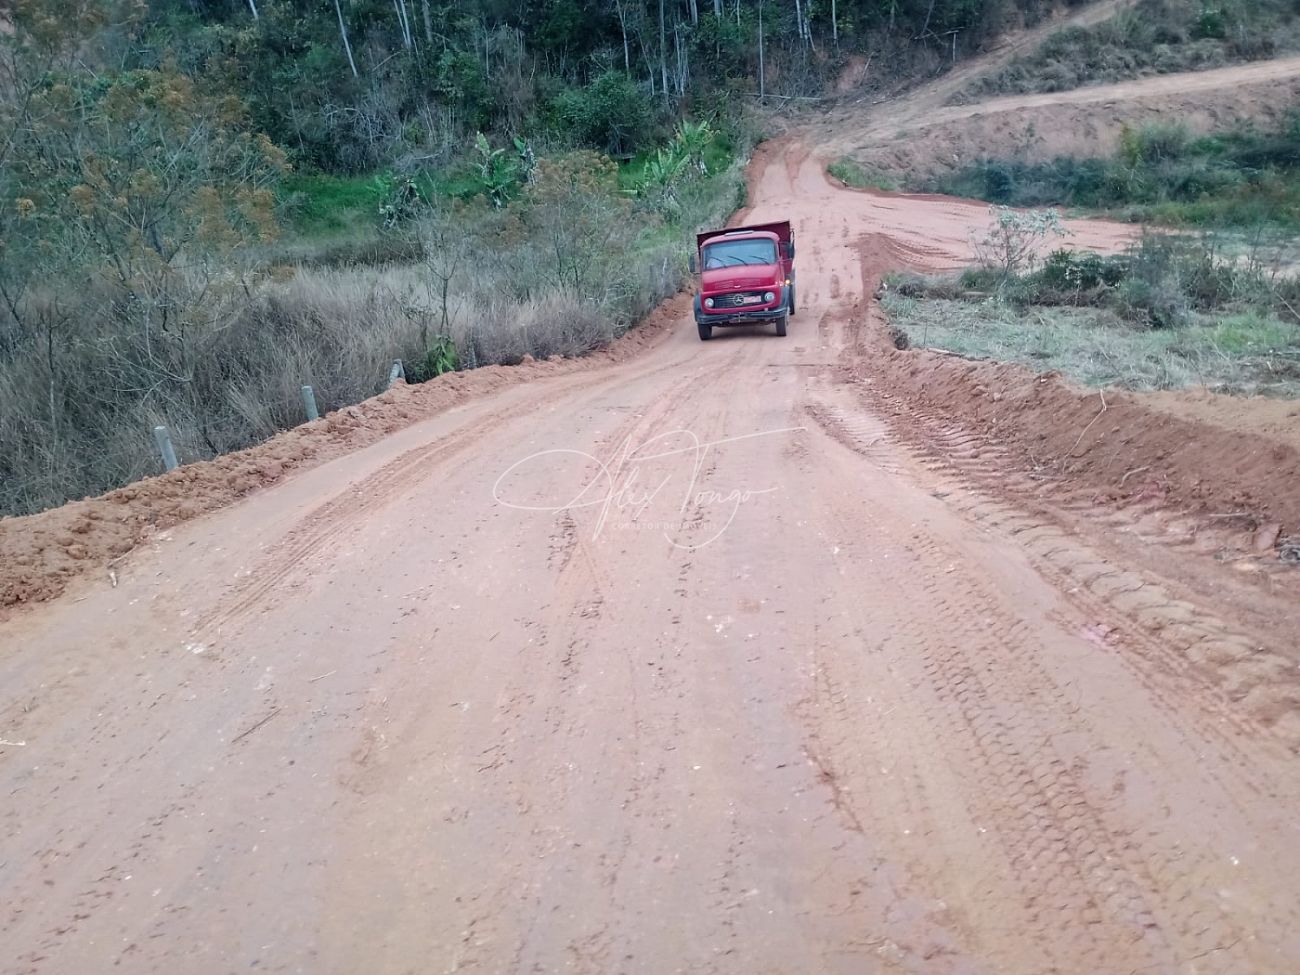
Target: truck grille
[741,299]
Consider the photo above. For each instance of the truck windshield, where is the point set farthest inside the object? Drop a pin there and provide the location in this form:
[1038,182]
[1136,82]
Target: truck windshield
[728,253]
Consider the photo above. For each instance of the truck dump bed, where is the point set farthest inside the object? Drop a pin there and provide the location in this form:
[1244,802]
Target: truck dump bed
[784,234]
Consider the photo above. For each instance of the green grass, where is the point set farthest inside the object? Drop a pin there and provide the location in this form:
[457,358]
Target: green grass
[1251,334]
[852,173]
[1246,354]
[1242,178]
[319,205]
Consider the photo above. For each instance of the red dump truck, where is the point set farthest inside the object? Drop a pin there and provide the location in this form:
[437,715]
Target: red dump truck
[746,276]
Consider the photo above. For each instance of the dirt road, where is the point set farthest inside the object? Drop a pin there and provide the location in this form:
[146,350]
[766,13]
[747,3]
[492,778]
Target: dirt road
[683,664]
[920,134]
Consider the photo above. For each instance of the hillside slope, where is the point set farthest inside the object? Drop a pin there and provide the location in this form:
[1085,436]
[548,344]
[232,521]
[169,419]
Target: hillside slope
[917,137]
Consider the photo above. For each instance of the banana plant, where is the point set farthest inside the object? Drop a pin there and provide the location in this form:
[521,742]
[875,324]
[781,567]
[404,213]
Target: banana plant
[659,179]
[498,173]
[665,168]
[692,140]
[527,159]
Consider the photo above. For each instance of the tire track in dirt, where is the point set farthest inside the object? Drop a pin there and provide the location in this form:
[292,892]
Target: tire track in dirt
[891,719]
[567,670]
[1109,889]
[1237,676]
[310,543]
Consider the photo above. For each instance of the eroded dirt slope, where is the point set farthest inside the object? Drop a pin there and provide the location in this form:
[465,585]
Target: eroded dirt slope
[836,692]
[917,136]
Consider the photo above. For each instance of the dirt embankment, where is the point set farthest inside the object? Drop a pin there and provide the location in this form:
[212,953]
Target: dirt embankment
[1218,459]
[911,144]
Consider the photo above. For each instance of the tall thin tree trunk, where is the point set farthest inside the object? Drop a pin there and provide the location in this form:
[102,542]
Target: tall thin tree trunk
[928,14]
[835,27]
[428,23]
[695,12]
[663,50]
[622,24]
[762,80]
[404,22]
[717,9]
[683,60]
[343,32]
[252,5]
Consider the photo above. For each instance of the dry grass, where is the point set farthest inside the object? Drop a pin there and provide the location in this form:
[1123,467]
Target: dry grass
[1242,353]
[83,384]
[336,330]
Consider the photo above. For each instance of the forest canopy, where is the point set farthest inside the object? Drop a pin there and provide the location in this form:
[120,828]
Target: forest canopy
[348,85]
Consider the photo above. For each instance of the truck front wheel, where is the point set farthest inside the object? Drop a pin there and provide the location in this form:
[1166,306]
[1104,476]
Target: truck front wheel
[705,329]
[780,325]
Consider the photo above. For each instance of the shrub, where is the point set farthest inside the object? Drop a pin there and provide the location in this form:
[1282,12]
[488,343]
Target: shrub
[613,114]
[980,279]
[1154,142]
[1238,178]
[1011,244]
[1067,270]
[1210,22]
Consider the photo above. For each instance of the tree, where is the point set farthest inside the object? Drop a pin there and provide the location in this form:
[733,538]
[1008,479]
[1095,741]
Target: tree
[143,186]
[343,32]
[1013,241]
[612,113]
[579,210]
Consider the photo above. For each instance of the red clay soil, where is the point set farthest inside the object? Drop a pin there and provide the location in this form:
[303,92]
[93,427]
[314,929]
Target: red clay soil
[874,718]
[1113,441]
[40,553]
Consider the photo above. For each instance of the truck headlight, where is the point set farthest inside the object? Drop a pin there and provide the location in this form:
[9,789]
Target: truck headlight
[708,302]
[768,298]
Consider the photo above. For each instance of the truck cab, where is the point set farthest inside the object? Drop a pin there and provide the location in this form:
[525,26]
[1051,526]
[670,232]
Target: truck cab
[746,277]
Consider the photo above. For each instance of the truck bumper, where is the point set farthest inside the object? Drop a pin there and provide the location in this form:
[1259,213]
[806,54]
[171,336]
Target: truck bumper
[737,317]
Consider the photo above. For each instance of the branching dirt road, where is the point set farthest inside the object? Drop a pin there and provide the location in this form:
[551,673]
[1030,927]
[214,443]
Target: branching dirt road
[921,134]
[684,664]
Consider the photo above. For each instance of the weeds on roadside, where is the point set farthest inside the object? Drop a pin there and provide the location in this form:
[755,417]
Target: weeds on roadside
[1172,311]
[852,173]
[1012,244]
[563,266]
